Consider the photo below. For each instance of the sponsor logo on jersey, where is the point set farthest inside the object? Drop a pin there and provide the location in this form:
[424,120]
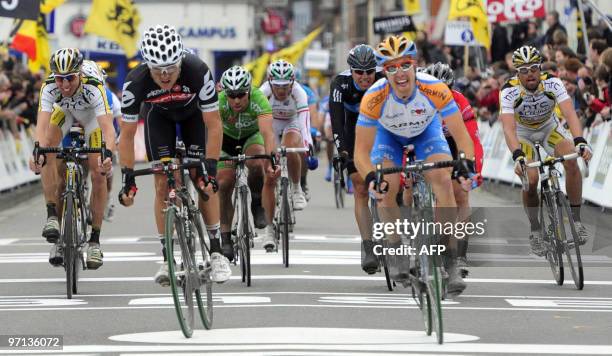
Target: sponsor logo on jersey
[433,92]
[376,100]
[208,89]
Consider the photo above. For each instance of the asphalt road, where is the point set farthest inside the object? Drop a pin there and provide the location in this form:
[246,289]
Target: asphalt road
[323,304]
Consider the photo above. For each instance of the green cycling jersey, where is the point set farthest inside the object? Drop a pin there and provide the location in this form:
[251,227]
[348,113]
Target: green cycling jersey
[243,124]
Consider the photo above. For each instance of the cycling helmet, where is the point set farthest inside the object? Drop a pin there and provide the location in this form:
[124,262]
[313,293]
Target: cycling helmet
[66,61]
[281,72]
[441,71]
[526,55]
[394,47]
[161,46]
[236,79]
[91,69]
[361,57]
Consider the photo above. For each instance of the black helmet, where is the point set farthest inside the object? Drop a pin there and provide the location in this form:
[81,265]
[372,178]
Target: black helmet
[361,57]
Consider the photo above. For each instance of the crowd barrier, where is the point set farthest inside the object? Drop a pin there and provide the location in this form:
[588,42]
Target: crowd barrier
[14,170]
[596,188]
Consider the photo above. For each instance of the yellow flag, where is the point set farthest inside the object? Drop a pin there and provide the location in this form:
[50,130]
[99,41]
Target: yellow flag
[293,53]
[469,8]
[258,68]
[476,11]
[412,7]
[46,6]
[116,20]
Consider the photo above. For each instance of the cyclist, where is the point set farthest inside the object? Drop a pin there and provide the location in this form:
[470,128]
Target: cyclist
[291,128]
[313,126]
[92,69]
[82,99]
[173,87]
[247,122]
[407,108]
[346,91]
[444,73]
[527,113]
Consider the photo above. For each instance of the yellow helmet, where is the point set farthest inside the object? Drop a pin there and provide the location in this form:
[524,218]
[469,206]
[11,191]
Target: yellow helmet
[66,60]
[526,55]
[394,47]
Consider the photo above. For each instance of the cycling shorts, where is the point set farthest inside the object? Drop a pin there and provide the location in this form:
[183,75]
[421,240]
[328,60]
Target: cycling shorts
[93,133]
[281,127]
[388,146]
[229,147]
[549,135]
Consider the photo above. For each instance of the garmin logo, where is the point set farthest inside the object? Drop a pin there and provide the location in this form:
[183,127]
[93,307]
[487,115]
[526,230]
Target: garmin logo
[207,32]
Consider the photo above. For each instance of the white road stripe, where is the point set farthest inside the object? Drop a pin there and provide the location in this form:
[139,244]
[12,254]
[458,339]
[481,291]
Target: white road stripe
[292,277]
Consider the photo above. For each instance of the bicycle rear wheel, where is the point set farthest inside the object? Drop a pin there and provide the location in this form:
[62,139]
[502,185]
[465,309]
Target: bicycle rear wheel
[570,246]
[68,232]
[383,261]
[285,220]
[205,302]
[550,231]
[338,191]
[180,272]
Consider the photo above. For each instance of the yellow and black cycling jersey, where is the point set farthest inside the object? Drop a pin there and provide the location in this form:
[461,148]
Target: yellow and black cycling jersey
[532,109]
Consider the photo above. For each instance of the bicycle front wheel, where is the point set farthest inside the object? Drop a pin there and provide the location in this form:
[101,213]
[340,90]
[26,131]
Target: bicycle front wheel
[285,220]
[180,271]
[551,233]
[205,302]
[338,191]
[69,238]
[570,241]
[245,238]
[434,291]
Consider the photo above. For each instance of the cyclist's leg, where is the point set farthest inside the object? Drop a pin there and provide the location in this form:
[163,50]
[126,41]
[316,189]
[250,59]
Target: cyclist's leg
[194,136]
[226,178]
[98,198]
[255,146]
[293,138]
[531,199]
[329,146]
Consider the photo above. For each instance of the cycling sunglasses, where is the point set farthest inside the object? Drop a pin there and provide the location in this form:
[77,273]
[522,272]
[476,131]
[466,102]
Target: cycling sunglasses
[362,72]
[236,94]
[532,68]
[394,68]
[168,70]
[68,77]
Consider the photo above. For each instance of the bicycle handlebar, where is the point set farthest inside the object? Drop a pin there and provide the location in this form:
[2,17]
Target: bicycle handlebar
[68,150]
[553,161]
[245,158]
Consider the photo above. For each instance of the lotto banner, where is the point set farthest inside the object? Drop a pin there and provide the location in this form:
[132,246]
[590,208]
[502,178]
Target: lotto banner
[515,10]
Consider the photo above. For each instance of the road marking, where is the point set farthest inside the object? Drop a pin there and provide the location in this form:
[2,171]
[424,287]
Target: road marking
[39,257]
[4,242]
[38,302]
[576,303]
[374,300]
[329,341]
[292,277]
[216,299]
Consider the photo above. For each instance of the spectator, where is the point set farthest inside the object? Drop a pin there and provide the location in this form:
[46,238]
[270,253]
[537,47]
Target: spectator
[559,38]
[532,34]
[572,66]
[519,34]
[508,59]
[601,103]
[564,53]
[499,43]
[596,48]
[552,19]
[551,68]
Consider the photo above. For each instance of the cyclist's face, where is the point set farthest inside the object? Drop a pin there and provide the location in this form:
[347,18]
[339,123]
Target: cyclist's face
[238,101]
[401,75]
[529,76]
[67,83]
[364,78]
[281,91]
[167,76]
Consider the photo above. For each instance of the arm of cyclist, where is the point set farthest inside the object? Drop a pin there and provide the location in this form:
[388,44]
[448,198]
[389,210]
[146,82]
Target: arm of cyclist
[42,124]
[264,122]
[337,115]
[108,132]
[512,141]
[364,141]
[569,113]
[126,161]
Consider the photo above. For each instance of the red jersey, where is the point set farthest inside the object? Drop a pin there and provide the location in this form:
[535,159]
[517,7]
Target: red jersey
[469,119]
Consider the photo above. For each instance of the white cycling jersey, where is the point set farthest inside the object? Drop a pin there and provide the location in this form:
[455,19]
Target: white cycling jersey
[291,114]
[89,101]
[532,109]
